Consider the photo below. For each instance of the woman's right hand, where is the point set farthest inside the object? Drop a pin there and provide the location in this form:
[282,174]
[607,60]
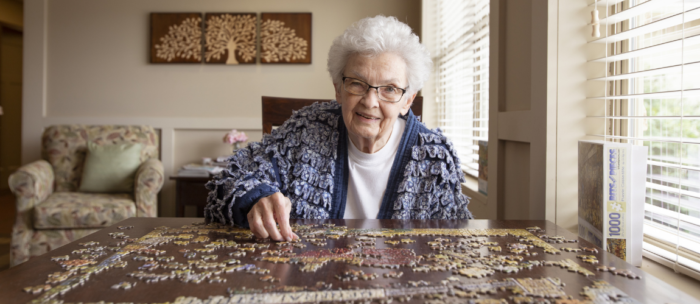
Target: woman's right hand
[267,213]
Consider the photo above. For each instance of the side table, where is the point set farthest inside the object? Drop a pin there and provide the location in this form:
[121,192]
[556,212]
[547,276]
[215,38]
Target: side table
[190,191]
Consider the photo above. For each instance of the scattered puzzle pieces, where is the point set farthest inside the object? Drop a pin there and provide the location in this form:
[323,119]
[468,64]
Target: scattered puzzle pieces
[142,258]
[200,239]
[37,289]
[258,271]
[165,259]
[269,278]
[589,249]
[217,280]
[466,295]
[571,266]
[76,263]
[625,273]
[569,249]
[474,272]
[590,259]
[393,274]
[605,268]
[421,269]
[495,248]
[368,276]
[417,283]
[60,258]
[124,285]
[237,254]
[603,292]
[541,288]
[350,275]
[210,257]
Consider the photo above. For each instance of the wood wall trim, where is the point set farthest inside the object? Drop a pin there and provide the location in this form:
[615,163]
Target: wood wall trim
[512,126]
[531,89]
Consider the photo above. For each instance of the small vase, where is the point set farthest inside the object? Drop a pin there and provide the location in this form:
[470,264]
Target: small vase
[236,147]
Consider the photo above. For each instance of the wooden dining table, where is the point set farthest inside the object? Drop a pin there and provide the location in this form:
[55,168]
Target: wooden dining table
[183,260]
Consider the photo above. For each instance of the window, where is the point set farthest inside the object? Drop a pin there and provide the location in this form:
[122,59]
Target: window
[460,50]
[647,92]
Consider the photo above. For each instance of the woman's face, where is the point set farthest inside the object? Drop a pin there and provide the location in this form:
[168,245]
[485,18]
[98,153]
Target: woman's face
[368,119]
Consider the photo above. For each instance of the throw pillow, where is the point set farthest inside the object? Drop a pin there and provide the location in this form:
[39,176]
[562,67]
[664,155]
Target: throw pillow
[110,168]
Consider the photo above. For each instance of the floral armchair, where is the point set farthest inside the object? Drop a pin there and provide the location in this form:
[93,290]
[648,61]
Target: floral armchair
[50,213]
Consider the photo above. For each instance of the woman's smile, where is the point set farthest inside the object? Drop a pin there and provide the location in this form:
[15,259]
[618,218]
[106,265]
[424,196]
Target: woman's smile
[367,118]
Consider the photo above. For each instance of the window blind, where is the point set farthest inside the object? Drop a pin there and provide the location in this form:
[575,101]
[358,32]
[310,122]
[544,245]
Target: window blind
[461,75]
[644,88]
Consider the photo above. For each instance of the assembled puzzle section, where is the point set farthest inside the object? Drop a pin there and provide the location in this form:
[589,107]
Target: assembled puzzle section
[337,264]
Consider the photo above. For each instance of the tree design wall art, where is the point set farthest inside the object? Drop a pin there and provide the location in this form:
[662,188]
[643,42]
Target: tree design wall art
[230,38]
[176,37]
[285,38]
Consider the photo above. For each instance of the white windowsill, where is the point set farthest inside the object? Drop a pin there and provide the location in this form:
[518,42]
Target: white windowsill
[679,280]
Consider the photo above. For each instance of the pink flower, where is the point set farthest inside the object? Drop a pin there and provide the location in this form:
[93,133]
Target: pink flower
[235,137]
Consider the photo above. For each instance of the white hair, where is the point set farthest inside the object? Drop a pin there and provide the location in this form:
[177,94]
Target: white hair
[377,35]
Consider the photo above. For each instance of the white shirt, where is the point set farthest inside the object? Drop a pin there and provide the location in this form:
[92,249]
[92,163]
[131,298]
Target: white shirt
[369,175]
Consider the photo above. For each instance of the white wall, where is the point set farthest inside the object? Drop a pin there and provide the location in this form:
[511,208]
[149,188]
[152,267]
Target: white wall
[87,62]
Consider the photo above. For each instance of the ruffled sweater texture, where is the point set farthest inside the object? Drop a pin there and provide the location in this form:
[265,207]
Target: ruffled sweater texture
[306,160]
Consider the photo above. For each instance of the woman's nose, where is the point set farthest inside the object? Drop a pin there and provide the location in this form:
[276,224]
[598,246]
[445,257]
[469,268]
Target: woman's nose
[371,98]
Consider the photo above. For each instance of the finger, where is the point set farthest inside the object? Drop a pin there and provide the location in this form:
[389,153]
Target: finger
[271,226]
[282,216]
[268,219]
[256,224]
[289,211]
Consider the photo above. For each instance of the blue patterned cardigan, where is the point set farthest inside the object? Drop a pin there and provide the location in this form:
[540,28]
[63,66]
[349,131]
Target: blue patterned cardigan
[306,159]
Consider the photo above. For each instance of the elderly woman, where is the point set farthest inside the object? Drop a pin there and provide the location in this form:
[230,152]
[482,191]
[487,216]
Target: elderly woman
[364,156]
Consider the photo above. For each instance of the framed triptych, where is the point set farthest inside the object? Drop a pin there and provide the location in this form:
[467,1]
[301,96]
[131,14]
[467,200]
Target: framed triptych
[230,38]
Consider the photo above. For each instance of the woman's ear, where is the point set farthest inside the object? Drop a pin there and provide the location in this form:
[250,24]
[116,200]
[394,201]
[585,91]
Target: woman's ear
[408,104]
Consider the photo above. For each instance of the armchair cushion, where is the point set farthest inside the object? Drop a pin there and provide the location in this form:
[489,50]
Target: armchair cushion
[71,210]
[110,168]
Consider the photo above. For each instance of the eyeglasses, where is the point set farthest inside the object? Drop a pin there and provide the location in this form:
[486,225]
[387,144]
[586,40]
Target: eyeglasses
[385,93]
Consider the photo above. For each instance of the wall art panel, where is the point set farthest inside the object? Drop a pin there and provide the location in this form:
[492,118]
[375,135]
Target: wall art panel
[176,38]
[285,38]
[230,38]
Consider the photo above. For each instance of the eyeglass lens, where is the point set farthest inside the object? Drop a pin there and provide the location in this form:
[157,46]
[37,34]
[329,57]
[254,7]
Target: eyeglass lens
[386,93]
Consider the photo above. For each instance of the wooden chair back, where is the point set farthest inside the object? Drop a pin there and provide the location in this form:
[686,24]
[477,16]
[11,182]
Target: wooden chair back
[276,110]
